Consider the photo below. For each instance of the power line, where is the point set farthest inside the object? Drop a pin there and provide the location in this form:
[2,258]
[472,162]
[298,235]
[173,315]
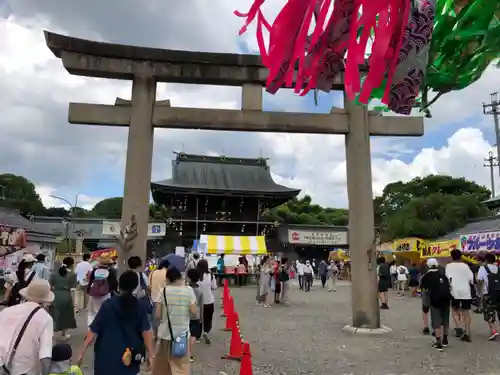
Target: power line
[492,162]
[493,108]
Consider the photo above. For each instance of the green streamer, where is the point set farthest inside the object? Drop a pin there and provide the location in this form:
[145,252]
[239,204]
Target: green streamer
[465,41]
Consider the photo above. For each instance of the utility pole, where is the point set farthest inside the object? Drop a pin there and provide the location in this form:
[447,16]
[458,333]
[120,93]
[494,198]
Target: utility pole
[493,108]
[491,163]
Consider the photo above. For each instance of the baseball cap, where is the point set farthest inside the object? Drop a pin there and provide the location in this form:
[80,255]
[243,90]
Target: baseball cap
[432,262]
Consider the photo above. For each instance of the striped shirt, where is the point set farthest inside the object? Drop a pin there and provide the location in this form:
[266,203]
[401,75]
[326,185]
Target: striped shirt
[179,299]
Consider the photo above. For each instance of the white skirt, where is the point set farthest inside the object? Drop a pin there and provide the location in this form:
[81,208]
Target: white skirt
[94,306]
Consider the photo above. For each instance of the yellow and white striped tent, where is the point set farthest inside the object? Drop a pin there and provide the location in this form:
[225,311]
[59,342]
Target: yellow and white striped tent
[244,245]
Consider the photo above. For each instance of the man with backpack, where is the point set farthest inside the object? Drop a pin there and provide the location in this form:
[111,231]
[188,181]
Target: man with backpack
[489,282]
[142,292]
[384,282]
[437,285]
[402,278]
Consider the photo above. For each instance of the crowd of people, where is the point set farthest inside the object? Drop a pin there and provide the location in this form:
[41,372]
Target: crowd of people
[135,319]
[447,291]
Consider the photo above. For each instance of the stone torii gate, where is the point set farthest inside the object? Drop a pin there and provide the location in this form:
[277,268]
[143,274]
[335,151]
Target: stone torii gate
[147,66]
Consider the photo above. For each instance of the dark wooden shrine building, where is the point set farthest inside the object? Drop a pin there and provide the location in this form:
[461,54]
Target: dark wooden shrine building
[218,195]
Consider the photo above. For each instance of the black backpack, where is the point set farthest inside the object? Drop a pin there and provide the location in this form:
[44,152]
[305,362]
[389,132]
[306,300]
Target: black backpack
[283,275]
[383,271]
[15,298]
[493,284]
[440,294]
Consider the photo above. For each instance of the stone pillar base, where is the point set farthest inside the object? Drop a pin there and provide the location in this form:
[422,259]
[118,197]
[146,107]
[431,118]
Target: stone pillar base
[366,331]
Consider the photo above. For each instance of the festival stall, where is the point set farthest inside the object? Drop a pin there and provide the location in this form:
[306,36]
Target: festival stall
[232,245]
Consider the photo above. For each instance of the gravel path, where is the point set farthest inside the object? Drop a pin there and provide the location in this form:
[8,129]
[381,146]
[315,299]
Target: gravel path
[306,338]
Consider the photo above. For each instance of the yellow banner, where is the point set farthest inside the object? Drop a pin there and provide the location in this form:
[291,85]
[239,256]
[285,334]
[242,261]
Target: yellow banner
[409,244]
[439,249]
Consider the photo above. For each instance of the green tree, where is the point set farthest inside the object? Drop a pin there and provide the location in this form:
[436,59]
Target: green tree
[428,207]
[302,211]
[110,208]
[56,212]
[19,193]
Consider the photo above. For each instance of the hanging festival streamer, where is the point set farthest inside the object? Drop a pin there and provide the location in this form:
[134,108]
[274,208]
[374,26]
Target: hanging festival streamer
[420,47]
[291,47]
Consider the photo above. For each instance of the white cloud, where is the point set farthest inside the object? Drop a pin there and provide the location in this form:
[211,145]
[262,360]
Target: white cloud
[64,160]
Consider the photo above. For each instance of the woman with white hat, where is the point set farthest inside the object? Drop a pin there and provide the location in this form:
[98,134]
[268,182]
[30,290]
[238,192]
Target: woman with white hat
[18,280]
[36,349]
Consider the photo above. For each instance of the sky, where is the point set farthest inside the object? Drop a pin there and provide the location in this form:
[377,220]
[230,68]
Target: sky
[85,164]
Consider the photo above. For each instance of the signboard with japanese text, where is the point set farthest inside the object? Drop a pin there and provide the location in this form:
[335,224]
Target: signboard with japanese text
[112,228]
[409,244]
[306,237]
[439,249]
[475,242]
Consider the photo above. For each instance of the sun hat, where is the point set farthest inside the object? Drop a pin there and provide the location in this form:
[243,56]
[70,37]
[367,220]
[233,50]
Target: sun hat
[432,262]
[38,291]
[105,259]
[29,258]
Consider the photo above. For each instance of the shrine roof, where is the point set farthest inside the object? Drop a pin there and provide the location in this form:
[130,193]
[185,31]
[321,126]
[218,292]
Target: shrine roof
[486,224]
[219,174]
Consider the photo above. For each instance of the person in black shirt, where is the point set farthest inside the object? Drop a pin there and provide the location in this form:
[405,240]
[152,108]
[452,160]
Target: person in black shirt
[437,285]
[384,282]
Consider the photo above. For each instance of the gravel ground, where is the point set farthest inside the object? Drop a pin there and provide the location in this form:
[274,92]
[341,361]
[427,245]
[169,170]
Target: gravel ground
[306,338]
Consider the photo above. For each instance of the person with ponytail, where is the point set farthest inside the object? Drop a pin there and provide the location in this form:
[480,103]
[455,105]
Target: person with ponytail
[121,331]
[63,281]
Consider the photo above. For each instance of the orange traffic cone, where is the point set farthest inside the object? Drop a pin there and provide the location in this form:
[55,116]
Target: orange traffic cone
[230,317]
[246,360]
[226,295]
[235,348]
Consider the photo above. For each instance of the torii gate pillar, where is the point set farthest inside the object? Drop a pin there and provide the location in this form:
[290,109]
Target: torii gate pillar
[138,166]
[365,308]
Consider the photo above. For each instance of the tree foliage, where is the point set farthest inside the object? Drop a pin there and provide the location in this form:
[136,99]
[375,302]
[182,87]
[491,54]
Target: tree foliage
[110,208]
[428,207]
[303,211]
[20,193]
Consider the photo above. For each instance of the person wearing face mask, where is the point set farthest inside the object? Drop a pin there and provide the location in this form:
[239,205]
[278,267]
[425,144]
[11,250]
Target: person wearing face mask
[18,280]
[30,323]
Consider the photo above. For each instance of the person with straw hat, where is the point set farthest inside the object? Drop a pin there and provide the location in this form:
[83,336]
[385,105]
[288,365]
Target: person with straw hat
[103,283]
[27,331]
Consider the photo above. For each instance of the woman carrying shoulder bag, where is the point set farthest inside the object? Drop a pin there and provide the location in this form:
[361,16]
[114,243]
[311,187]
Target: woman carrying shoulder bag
[174,307]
